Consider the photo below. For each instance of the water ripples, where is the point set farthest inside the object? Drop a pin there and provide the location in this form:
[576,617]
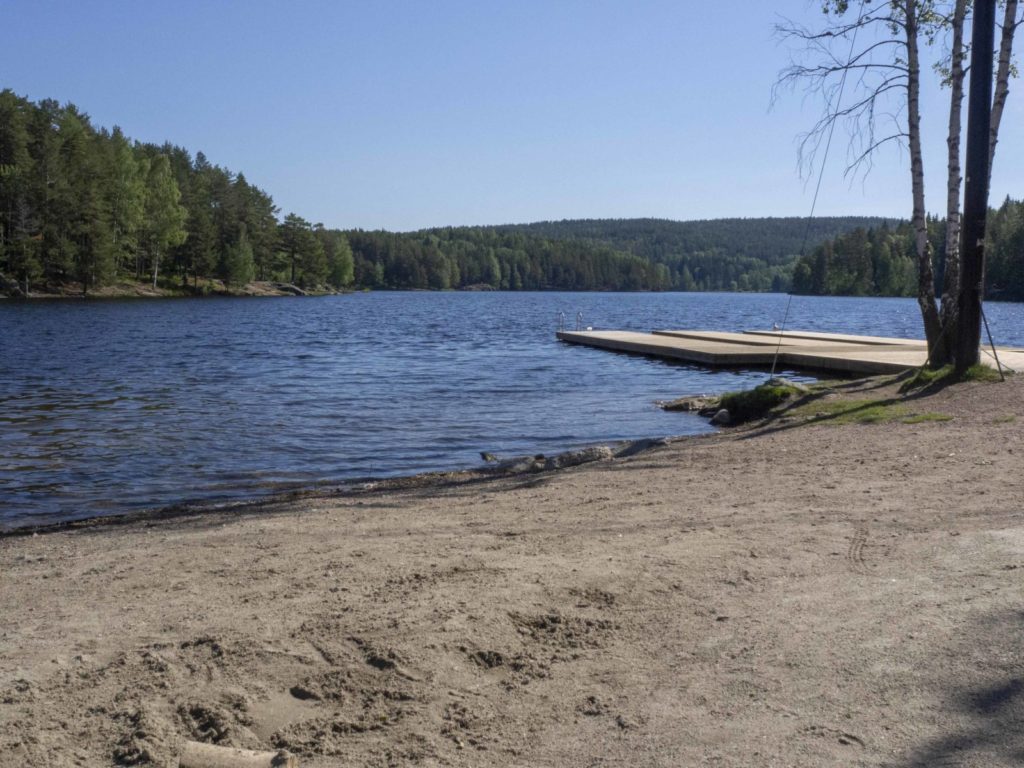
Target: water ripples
[107,407]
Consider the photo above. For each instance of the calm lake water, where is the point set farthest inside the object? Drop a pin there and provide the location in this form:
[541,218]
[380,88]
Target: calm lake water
[111,406]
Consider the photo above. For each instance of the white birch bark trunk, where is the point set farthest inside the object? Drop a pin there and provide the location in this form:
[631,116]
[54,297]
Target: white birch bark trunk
[1002,88]
[925,273]
[954,180]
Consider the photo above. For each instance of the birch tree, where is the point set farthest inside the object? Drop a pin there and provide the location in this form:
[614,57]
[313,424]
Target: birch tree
[164,220]
[954,180]
[876,47]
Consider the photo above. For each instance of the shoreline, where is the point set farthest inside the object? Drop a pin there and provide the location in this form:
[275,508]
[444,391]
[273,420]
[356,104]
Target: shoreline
[818,589]
[437,479]
[145,290]
[265,288]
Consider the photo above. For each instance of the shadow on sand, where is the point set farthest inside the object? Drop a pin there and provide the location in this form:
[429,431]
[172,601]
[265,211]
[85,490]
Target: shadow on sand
[984,724]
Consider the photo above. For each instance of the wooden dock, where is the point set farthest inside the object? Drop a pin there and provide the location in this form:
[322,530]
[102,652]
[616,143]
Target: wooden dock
[802,350]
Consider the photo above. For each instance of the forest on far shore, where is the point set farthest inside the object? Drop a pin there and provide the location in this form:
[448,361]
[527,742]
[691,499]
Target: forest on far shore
[880,261]
[83,207]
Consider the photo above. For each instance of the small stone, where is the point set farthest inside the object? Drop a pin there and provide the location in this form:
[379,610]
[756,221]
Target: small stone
[721,418]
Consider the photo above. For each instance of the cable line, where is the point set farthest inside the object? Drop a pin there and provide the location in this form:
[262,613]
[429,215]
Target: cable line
[821,175]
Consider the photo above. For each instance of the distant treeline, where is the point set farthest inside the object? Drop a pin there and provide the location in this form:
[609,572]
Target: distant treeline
[880,261]
[708,255]
[598,254]
[462,257]
[85,206]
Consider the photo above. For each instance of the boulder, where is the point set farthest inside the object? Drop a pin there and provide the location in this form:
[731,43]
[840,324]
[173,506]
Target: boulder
[721,418]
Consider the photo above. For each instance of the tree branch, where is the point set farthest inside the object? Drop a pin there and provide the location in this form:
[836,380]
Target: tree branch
[1002,89]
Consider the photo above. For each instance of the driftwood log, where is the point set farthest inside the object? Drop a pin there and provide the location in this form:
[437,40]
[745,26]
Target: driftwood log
[197,755]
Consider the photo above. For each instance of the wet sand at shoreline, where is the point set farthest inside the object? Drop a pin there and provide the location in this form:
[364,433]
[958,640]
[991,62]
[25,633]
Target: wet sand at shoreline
[792,594]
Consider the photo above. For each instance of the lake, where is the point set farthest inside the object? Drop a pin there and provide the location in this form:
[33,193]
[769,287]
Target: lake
[112,406]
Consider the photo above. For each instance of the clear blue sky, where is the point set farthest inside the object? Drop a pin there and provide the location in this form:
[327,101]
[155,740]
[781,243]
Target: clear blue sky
[411,114]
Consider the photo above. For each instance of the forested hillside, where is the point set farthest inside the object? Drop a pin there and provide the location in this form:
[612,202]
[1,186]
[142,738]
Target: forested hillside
[86,207]
[611,254]
[707,255]
[479,257]
[881,261]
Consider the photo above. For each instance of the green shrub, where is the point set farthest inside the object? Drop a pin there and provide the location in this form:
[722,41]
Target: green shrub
[755,403]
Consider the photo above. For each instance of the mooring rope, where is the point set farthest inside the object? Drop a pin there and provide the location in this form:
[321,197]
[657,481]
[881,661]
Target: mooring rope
[821,175]
[810,221]
[991,342]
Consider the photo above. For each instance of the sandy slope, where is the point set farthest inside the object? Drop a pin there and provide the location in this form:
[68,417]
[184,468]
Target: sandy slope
[789,596]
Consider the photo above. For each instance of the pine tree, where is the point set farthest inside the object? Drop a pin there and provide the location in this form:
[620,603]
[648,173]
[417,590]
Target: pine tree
[19,248]
[303,252]
[239,267]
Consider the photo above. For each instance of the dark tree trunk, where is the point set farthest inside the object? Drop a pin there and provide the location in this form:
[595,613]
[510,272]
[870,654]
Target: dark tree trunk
[979,122]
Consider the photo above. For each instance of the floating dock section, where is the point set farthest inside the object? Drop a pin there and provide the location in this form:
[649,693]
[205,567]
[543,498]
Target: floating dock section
[806,350]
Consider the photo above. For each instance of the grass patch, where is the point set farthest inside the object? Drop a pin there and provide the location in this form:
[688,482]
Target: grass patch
[921,418]
[924,377]
[755,403]
[853,411]
[1005,419]
[982,373]
[865,412]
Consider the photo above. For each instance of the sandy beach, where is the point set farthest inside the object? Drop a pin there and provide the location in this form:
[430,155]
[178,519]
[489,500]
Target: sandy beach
[796,593]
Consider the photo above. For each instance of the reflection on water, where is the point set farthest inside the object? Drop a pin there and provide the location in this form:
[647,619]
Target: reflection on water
[112,406]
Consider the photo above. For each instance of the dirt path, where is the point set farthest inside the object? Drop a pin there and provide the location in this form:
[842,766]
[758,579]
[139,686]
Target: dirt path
[791,596]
